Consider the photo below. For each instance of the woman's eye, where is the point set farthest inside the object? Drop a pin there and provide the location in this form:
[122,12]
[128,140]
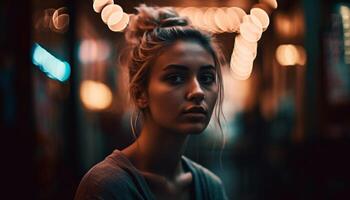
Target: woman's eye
[207,78]
[175,78]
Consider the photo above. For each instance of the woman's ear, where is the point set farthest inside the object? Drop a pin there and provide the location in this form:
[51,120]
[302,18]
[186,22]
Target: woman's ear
[141,99]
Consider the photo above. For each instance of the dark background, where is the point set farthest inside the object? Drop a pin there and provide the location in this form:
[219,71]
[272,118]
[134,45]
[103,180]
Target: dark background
[290,141]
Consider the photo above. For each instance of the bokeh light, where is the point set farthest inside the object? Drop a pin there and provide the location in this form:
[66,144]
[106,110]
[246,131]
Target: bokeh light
[91,51]
[100,4]
[262,16]
[112,9]
[290,55]
[60,20]
[272,3]
[53,67]
[115,24]
[95,95]
[234,19]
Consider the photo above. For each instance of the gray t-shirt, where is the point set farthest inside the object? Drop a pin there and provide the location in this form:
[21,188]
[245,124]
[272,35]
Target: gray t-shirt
[116,178]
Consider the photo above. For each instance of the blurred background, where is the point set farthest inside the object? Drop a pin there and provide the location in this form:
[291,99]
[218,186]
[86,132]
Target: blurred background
[287,126]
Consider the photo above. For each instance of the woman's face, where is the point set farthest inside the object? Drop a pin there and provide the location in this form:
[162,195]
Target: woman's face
[183,89]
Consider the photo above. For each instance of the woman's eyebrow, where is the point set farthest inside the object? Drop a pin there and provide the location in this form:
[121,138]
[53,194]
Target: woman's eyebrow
[185,68]
[175,67]
[208,67]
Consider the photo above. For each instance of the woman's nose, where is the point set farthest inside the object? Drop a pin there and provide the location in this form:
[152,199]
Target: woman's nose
[195,92]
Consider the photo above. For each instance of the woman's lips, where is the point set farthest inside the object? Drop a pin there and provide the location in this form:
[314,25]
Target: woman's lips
[196,113]
[196,110]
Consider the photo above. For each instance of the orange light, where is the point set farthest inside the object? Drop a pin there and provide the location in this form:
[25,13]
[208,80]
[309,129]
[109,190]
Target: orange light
[239,11]
[115,24]
[111,9]
[290,55]
[60,20]
[95,95]
[234,19]
[271,3]
[100,4]
[250,31]
[222,20]
[262,16]
[209,20]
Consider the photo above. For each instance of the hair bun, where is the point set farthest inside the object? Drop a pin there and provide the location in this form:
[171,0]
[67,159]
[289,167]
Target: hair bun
[150,18]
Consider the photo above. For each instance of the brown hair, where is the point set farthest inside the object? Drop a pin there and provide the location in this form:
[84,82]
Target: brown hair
[155,28]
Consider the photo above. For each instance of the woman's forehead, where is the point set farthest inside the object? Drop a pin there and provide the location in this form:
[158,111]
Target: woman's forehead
[185,53]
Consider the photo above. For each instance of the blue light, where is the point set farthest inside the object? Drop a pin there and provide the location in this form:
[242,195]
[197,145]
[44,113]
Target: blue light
[49,64]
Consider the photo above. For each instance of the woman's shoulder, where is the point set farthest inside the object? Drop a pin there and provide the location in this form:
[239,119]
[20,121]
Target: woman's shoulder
[108,178]
[202,171]
[112,168]
[209,184]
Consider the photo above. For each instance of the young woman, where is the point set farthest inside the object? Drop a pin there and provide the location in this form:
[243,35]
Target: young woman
[175,83]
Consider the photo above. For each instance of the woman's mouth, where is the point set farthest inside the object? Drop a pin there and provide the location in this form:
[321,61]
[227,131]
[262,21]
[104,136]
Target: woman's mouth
[196,113]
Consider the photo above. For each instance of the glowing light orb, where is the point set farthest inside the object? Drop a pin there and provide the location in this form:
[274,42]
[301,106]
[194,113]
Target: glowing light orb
[262,16]
[198,18]
[239,11]
[209,20]
[117,25]
[272,3]
[60,20]
[100,4]
[234,19]
[250,31]
[222,20]
[95,95]
[111,9]
[49,64]
[91,51]
[287,55]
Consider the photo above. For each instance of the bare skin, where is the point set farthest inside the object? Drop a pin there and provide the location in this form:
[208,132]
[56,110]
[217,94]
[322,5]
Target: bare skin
[178,102]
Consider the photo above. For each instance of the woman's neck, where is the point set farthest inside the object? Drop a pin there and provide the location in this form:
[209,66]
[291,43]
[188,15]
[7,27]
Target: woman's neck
[159,152]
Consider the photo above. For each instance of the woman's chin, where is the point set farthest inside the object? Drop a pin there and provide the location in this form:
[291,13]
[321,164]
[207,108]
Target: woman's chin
[194,129]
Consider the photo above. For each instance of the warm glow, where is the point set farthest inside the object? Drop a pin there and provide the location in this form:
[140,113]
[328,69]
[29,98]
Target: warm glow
[241,67]
[112,9]
[95,95]
[290,55]
[240,70]
[344,11]
[345,15]
[245,48]
[60,20]
[115,24]
[272,3]
[91,51]
[242,58]
[289,25]
[234,19]
[198,19]
[209,20]
[262,16]
[239,11]
[100,4]
[283,25]
[302,56]
[193,13]
[222,20]
[187,12]
[253,20]
[250,31]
